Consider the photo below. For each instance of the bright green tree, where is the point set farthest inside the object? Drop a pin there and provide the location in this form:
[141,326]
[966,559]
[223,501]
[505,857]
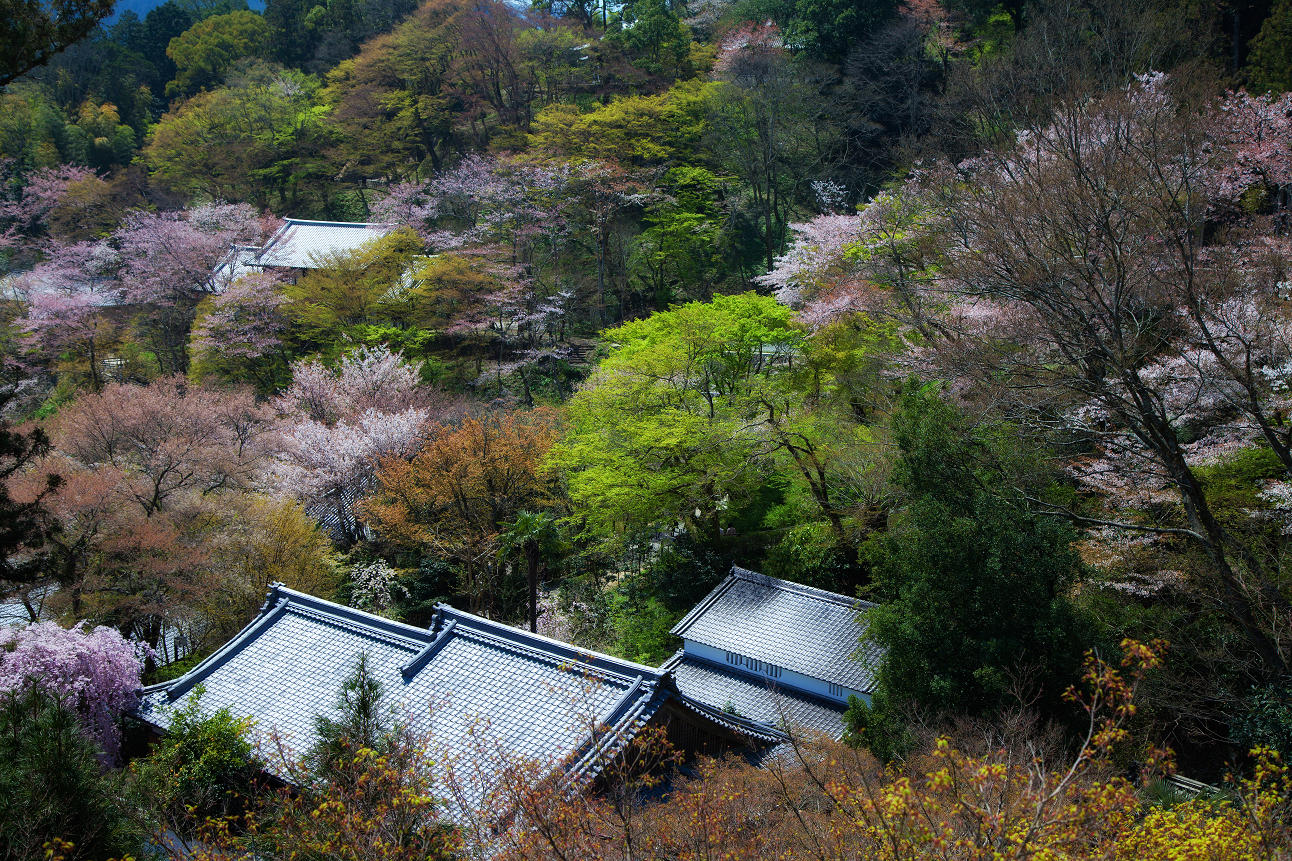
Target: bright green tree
[259,139]
[974,586]
[356,295]
[679,254]
[204,52]
[699,410]
[665,431]
[203,765]
[632,130]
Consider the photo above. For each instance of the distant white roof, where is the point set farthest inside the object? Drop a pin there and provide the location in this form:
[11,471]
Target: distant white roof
[301,244]
[240,261]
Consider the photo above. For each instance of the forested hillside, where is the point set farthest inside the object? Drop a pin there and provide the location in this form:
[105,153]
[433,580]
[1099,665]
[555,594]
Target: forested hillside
[976,312]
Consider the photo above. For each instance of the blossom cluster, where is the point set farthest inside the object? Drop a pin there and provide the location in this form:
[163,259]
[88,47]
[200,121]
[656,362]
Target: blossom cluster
[336,425]
[94,670]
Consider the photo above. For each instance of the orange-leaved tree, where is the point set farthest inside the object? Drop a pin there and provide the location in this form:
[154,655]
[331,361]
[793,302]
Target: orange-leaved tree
[457,495]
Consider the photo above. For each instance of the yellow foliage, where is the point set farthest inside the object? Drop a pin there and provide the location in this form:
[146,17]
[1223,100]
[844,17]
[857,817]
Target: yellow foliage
[1004,800]
[1255,827]
[629,130]
[266,540]
[1191,832]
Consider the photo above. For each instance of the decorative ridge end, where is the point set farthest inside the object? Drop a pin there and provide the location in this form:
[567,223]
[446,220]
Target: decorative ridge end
[272,596]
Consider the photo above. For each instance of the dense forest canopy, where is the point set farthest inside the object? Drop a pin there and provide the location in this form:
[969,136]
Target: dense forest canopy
[975,310]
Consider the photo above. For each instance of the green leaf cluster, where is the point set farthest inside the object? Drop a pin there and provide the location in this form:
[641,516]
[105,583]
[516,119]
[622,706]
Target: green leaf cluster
[973,586]
[204,52]
[204,763]
[663,432]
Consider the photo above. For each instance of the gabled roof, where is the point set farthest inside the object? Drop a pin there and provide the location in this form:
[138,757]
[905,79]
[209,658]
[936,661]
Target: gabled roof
[810,631]
[758,699]
[301,244]
[463,679]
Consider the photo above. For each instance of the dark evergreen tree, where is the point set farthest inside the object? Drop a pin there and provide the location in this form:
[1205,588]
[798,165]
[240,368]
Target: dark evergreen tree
[52,786]
[1269,66]
[362,721]
[824,30]
[33,32]
[973,586]
[20,522]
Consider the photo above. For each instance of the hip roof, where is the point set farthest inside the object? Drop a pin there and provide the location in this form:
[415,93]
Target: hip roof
[301,244]
[811,631]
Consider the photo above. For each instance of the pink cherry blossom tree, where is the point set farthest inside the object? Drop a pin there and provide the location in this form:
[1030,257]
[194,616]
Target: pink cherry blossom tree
[883,262]
[1158,345]
[24,218]
[168,262]
[69,297]
[1257,131]
[336,425]
[368,378]
[815,261]
[167,439]
[96,671]
[330,467]
[170,256]
[240,330]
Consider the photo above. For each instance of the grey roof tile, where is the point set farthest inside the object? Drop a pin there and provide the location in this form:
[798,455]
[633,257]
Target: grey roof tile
[537,698]
[756,699]
[810,631]
[301,244]
[239,261]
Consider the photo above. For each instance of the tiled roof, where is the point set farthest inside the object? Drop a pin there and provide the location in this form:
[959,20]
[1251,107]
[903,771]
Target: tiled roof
[464,678]
[239,261]
[810,631]
[12,612]
[300,244]
[758,699]
[335,512]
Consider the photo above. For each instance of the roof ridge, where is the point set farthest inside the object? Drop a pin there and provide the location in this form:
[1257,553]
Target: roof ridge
[341,620]
[278,601]
[672,661]
[738,573]
[353,614]
[518,637]
[364,224]
[705,603]
[798,588]
[174,688]
[738,722]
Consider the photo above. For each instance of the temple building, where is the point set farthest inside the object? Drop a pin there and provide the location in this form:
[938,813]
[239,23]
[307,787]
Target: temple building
[466,682]
[776,652]
[297,246]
